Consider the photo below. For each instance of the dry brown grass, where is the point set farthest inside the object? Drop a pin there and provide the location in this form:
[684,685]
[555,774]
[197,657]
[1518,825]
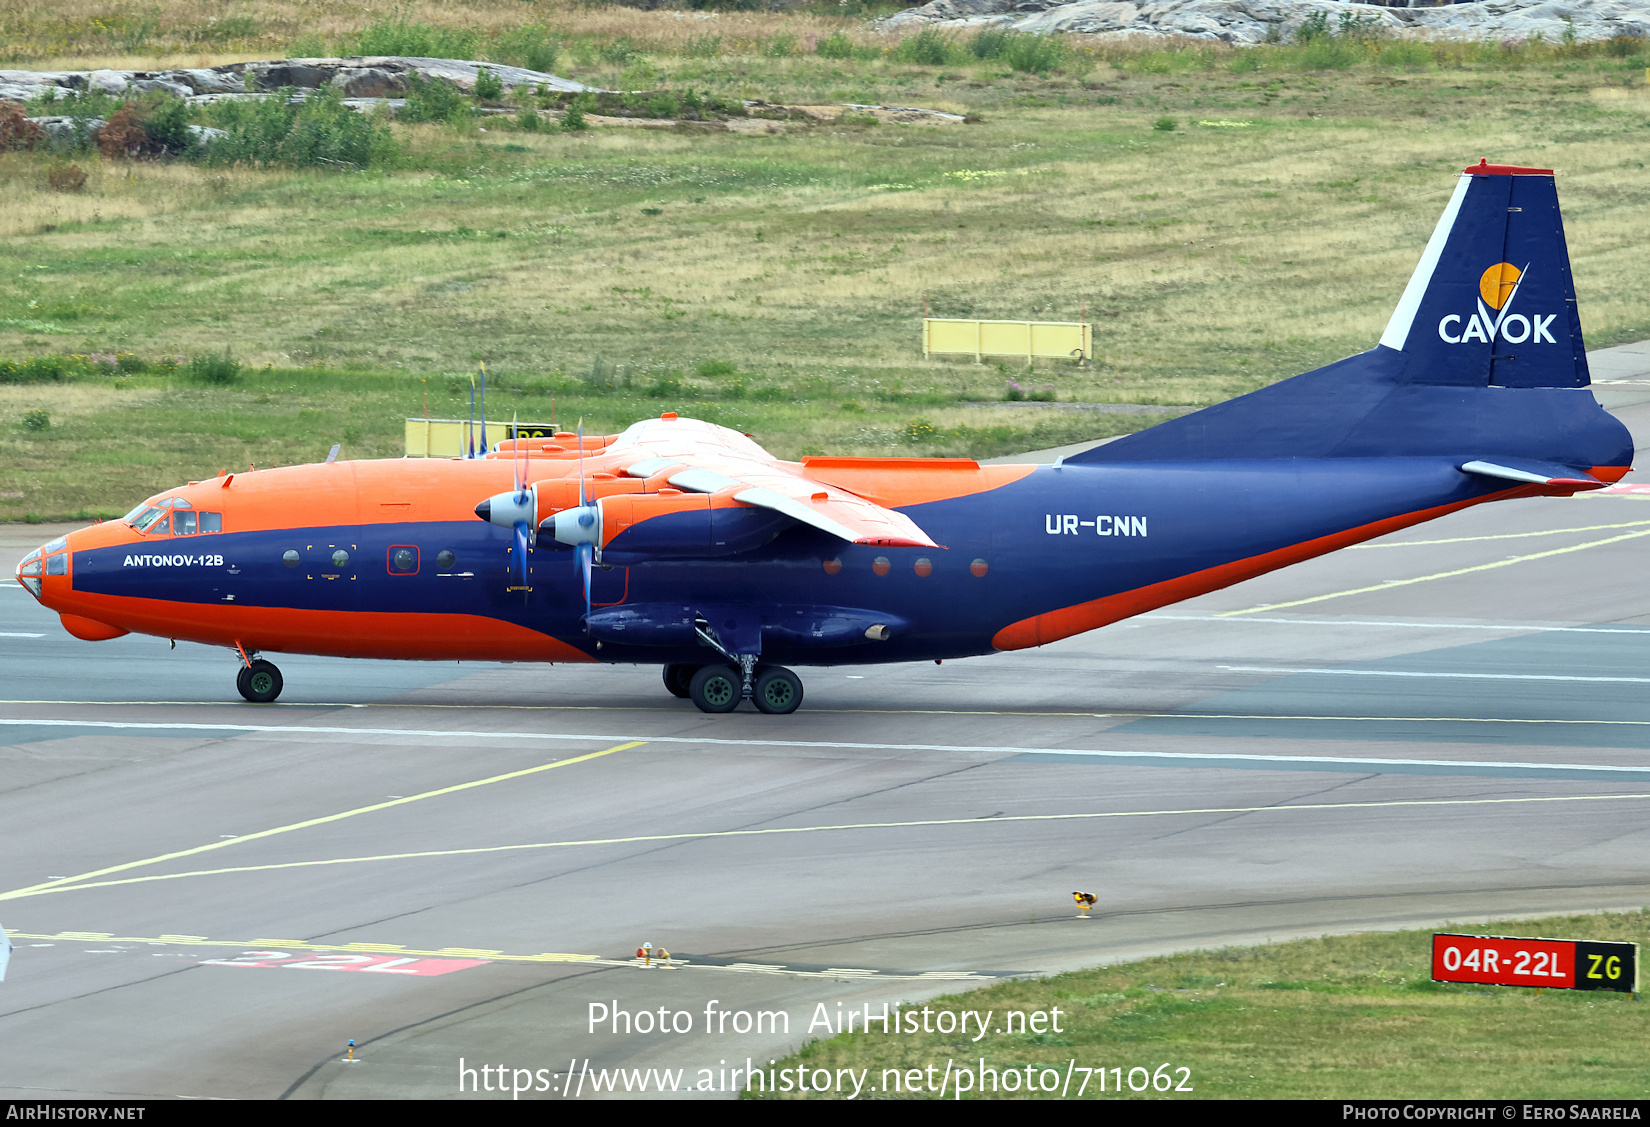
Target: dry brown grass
[77,33]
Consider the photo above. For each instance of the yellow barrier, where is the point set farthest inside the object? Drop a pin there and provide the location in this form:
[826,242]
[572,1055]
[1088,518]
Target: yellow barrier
[450,438]
[1071,340]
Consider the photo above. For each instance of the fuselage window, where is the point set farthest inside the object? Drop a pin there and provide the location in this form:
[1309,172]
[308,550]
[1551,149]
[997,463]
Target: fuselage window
[403,559]
[183,524]
[290,557]
[211,522]
[340,558]
[444,560]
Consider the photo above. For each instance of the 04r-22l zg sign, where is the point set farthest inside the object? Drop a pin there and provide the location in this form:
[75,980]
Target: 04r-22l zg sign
[1562,964]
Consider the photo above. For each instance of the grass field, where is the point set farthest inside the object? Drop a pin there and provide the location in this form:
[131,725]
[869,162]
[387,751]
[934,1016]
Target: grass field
[1353,1017]
[771,282]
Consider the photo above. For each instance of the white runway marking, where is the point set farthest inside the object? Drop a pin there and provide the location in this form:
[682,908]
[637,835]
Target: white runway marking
[1152,758]
[1407,625]
[1452,676]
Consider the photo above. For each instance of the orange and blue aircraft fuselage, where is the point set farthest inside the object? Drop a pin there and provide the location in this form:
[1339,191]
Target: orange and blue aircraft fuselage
[697,547]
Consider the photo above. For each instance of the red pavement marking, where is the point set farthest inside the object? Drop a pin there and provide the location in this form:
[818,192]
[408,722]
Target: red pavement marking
[375,964]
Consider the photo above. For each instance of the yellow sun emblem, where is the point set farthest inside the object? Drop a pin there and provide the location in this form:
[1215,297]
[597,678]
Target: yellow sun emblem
[1498,282]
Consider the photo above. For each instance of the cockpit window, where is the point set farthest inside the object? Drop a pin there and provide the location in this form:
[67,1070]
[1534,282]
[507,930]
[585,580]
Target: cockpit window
[183,524]
[177,503]
[58,564]
[56,545]
[131,517]
[153,519]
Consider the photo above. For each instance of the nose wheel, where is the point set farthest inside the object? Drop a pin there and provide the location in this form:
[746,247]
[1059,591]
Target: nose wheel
[259,682]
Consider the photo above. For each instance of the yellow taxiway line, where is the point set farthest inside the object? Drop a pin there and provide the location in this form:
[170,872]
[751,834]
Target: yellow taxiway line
[635,839]
[52,885]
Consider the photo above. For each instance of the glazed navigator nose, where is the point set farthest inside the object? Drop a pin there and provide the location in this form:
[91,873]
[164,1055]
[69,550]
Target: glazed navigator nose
[48,559]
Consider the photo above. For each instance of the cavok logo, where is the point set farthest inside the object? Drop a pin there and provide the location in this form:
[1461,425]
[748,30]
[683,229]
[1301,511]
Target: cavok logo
[1496,289]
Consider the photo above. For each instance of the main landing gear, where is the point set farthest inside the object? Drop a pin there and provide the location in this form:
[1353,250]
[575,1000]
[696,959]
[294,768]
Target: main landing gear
[259,682]
[719,688]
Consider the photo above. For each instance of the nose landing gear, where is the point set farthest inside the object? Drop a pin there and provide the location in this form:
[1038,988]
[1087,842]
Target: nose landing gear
[259,682]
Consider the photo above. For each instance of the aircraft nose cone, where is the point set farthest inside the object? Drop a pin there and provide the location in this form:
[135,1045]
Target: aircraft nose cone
[485,509]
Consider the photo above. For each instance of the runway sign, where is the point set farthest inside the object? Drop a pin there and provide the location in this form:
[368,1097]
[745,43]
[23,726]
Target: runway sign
[1562,964]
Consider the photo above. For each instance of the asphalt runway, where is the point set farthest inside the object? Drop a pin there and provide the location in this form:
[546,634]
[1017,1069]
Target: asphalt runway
[1451,723]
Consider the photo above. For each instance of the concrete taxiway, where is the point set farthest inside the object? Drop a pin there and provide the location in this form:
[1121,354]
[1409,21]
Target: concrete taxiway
[209,898]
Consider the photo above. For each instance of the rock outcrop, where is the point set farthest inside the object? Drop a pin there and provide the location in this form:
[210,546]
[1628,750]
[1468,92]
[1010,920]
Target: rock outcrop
[1244,22]
[370,77]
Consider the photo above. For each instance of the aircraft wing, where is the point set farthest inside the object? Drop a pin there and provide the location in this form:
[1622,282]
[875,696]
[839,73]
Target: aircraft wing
[699,457]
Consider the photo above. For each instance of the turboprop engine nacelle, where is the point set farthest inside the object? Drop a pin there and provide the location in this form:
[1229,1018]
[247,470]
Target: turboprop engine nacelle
[509,509]
[579,525]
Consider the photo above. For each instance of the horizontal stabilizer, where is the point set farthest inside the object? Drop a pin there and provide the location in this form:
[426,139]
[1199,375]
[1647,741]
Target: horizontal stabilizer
[1560,478]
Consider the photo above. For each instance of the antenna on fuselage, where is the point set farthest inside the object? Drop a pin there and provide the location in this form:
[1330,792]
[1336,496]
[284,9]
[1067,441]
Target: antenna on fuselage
[484,408]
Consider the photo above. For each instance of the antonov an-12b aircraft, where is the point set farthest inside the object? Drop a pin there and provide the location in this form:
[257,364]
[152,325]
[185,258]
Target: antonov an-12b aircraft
[687,546]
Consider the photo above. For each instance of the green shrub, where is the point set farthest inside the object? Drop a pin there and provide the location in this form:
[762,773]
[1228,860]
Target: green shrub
[927,47]
[213,369]
[528,120]
[781,46]
[714,369]
[1165,125]
[572,118]
[1314,28]
[1034,54]
[988,42]
[530,46]
[664,104]
[36,420]
[398,36]
[307,47]
[835,46]
[489,87]
[434,99]
[318,132]
[167,125]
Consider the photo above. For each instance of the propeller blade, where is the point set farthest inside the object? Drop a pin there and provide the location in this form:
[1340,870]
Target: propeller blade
[515,459]
[523,545]
[582,501]
[582,553]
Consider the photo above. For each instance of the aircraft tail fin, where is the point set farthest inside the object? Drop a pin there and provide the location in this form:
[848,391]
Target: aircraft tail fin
[1483,358]
[1492,301]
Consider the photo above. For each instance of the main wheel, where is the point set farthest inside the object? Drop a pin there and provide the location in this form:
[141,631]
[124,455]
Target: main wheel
[777,690]
[259,682]
[716,688]
[677,678]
